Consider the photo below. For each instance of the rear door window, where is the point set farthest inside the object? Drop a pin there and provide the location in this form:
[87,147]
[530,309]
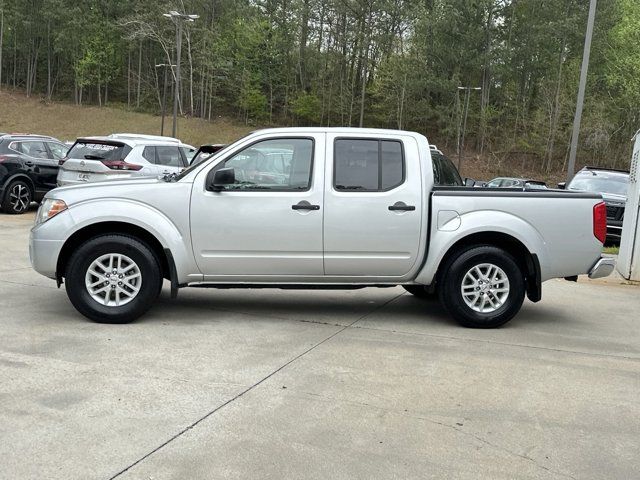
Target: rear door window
[168,156]
[188,153]
[87,150]
[367,165]
[149,154]
[58,150]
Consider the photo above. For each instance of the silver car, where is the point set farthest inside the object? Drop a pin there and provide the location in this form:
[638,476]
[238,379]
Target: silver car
[122,156]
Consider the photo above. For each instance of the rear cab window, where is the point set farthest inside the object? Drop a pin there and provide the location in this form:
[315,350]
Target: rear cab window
[367,165]
[98,150]
[444,172]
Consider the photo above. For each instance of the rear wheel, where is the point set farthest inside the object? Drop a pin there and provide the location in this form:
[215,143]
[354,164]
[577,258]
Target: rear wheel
[113,278]
[420,291]
[482,287]
[17,197]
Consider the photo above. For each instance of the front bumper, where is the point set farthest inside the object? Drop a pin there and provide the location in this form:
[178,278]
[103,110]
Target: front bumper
[46,241]
[603,267]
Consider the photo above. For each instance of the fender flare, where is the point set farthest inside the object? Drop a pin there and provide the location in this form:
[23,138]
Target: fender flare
[481,222]
[180,260]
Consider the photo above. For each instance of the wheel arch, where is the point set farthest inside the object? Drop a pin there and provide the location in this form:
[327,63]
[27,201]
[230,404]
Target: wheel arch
[20,176]
[528,261]
[114,227]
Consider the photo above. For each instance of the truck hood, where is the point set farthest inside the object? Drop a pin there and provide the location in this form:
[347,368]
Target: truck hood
[110,189]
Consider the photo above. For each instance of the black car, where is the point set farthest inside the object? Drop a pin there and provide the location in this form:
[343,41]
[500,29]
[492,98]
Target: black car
[612,184]
[28,169]
[205,151]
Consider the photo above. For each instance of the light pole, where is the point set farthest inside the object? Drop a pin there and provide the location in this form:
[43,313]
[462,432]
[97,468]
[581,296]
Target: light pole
[164,93]
[577,119]
[467,95]
[178,19]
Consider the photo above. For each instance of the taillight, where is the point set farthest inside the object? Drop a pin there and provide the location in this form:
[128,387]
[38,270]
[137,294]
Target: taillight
[600,221]
[120,165]
[3,158]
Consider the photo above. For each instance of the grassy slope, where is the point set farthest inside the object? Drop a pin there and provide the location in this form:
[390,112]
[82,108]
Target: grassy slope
[67,121]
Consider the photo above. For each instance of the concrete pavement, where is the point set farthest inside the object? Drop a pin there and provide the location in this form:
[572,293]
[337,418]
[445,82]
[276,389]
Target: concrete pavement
[293,384]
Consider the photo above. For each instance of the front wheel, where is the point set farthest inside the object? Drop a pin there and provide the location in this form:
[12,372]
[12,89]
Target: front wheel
[113,278]
[482,287]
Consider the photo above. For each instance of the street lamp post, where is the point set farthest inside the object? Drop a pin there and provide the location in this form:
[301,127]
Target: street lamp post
[577,119]
[467,96]
[178,19]
[164,93]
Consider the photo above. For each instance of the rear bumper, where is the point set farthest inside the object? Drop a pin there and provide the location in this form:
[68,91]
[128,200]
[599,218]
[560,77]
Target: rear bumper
[602,268]
[72,177]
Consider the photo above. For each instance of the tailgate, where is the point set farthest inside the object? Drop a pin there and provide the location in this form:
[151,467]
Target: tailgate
[87,155]
[85,166]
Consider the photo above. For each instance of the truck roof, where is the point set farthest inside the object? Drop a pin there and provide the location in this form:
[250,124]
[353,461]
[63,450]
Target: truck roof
[345,130]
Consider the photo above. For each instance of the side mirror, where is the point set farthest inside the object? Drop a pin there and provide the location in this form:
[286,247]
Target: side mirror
[562,185]
[218,179]
[469,182]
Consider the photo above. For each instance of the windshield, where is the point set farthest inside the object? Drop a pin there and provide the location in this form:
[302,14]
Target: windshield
[616,185]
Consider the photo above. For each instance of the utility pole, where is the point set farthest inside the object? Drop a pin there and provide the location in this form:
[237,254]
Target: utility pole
[467,96]
[164,93]
[178,19]
[577,119]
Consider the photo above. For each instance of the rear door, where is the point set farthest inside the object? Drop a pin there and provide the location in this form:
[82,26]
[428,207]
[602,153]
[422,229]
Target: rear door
[373,205]
[269,222]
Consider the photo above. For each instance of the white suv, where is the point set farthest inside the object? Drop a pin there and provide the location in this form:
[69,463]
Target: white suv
[121,156]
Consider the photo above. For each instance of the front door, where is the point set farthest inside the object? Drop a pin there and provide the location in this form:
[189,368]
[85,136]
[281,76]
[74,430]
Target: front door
[269,222]
[373,214]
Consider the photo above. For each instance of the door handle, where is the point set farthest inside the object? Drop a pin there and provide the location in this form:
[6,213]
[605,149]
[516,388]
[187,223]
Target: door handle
[28,163]
[401,206]
[304,205]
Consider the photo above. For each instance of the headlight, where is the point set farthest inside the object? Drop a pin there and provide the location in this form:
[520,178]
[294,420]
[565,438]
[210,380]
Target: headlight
[50,208]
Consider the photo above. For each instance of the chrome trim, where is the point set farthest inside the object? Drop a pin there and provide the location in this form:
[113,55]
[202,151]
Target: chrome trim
[603,267]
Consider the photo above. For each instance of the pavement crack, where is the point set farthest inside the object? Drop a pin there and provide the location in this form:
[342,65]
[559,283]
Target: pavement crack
[251,387]
[495,342]
[26,284]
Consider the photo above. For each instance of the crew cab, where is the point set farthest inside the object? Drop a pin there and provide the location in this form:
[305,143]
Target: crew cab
[316,208]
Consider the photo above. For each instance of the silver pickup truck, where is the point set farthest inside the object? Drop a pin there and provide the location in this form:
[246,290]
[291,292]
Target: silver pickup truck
[316,208]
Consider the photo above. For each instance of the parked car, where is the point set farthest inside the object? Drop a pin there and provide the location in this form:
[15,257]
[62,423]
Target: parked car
[121,156]
[206,151]
[353,208]
[612,185]
[510,182]
[28,169]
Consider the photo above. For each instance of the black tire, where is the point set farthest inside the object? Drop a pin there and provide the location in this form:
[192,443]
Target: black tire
[452,278]
[420,291]
[17,197]
[144,258]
